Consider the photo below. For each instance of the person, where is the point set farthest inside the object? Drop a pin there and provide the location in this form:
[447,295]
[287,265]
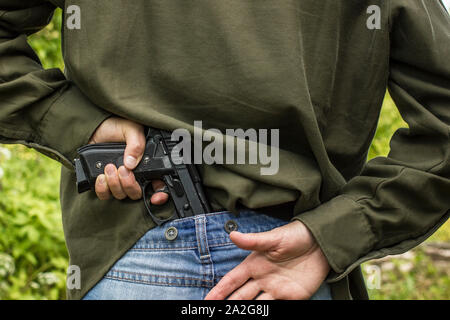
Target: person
[315,70]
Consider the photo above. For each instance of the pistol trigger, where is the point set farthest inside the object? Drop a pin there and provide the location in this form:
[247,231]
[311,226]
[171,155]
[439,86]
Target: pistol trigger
[147,203]
[164,189]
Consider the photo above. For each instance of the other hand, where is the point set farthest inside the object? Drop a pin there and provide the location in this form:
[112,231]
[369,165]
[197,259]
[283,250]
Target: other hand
[286,263]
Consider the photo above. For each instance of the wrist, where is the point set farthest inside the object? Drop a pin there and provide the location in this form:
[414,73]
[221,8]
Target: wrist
[306,238]
[309,242]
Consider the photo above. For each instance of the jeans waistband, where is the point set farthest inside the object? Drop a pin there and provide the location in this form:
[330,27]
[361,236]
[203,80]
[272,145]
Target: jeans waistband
[211,225]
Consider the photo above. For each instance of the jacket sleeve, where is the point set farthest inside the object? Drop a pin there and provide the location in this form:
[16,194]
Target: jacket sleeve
[39,108]
[400,200]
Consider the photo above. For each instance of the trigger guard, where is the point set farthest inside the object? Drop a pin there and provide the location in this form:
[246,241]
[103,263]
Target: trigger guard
[147,203]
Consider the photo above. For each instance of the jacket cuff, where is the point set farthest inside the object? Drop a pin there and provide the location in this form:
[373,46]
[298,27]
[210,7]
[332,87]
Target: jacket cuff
[67,125]
[342,231]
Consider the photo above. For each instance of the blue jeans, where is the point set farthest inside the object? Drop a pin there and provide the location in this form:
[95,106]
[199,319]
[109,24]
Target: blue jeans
[183,259]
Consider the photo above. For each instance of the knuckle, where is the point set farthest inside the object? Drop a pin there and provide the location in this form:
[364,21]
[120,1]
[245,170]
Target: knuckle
[99,190]
[102,194]
[105,197]
[127,183]
[101,197]
[133,191]
[135,147]
[99,194]
[230,280]
[117,191]
[275,255]
[113,183]
[134,196]
[119,195]
[246,267]
[112,178]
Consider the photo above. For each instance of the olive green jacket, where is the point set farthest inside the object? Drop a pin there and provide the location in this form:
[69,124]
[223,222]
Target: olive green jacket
[315,70]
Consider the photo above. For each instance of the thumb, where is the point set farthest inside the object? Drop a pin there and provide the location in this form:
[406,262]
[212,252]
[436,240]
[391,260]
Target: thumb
[135,140]
[261,241]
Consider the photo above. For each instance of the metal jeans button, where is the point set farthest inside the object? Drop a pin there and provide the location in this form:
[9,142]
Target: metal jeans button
[171,233]
[230,226]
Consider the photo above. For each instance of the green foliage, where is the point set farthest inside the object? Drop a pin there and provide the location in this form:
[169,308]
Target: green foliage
[33,256]
[424,280]
[390,121]
[30,227]
[47,43]
[31,235]
[442,235]
[418,279]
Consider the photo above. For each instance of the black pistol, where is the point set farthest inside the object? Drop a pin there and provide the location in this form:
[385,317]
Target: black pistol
[182,180]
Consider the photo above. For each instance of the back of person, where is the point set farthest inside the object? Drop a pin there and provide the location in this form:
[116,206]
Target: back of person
[316,71]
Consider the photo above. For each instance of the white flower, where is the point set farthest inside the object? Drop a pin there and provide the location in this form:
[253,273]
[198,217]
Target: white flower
[406,267]
[7,265]
[388,266]
[5,153]
[47,278]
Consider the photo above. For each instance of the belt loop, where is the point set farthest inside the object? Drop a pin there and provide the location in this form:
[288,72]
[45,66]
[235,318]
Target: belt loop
[202,237]
[239,207]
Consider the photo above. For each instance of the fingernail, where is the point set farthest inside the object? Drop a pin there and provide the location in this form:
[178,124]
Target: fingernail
[123,172]
[130,162]
[109,170]
[101,179]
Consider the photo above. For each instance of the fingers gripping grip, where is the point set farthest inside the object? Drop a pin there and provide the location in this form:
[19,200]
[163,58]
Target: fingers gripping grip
[182,181]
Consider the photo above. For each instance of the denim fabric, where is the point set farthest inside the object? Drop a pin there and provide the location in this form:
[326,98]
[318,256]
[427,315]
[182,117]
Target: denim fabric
[187,267]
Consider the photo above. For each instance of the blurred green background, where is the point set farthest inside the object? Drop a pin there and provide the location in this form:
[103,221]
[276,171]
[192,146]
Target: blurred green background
[33,257]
